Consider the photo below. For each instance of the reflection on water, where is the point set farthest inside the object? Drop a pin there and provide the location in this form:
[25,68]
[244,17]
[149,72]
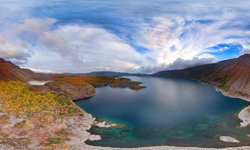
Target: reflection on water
[169,112]
[37,82]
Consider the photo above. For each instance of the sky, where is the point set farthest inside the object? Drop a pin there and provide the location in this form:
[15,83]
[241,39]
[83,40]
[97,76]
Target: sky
[136,36]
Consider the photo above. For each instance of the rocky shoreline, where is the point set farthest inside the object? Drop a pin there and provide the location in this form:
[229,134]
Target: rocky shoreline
[244,114]
[83,135]
[80,129]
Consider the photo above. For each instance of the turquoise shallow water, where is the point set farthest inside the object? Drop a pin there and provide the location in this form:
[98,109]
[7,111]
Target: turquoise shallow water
[170,111]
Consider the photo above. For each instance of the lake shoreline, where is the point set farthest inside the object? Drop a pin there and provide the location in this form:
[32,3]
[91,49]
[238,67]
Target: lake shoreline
[78,143]
[80,126]
[90,120]
[242,116]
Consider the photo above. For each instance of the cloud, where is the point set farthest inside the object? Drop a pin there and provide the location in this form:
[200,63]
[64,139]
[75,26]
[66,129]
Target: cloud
[87,47]
[58,44]
[30,29]
[178,37]
[177,64]
[173,35]
[245,51]
[38,32]
[82,45]
[171,38]
[96,47]
[18,51]
[196,61]
[40,71]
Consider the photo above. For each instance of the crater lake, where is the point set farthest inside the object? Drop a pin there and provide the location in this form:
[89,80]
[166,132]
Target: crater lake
[178,112]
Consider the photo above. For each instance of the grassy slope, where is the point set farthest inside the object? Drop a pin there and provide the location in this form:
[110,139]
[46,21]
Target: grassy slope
[43,116]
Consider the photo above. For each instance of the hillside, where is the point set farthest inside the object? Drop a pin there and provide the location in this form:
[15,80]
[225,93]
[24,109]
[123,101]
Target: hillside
[231,76]
[40,117]
[12,72]
[9,71]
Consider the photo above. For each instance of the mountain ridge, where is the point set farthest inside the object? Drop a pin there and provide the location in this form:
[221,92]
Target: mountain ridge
[231,76]
[114,73]
[10,71]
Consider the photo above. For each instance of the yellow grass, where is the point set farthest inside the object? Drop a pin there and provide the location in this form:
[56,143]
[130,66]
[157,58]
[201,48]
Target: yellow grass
[20,101]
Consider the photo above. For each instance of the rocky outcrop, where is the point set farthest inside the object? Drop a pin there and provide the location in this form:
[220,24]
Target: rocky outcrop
[73,91]
[127,83]
[232,76]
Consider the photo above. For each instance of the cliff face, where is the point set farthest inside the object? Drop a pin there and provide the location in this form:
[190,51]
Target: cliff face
[232,76]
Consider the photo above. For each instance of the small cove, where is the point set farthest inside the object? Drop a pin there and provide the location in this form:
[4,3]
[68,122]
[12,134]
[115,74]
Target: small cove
[177,112]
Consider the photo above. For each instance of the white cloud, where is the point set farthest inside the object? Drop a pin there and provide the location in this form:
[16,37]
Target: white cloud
[30,29]
[159,36]
[18,51]
[40,71]
[177,64]
[172,44]
[245,51]
[87,47]
[100,48]
[196,61]
[58,44]
[177,35]
[171,38]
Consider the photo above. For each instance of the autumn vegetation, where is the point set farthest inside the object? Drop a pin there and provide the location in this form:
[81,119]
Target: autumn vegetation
[43,116]
[222,81]
[98,81]
[136,87]
[95,81]
[20,101]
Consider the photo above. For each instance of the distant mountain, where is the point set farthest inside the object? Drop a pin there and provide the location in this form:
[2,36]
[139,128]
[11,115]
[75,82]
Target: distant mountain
[231,76]
[9,71]
[114,73]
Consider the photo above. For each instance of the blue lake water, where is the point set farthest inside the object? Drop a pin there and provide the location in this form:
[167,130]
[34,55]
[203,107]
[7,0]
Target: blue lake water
[177,112]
